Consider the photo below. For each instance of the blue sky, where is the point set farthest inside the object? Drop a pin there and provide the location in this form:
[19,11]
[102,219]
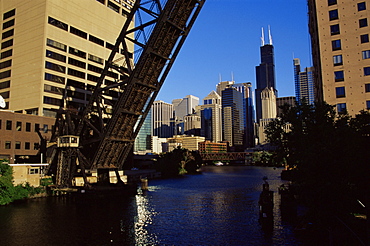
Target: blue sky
[226,40]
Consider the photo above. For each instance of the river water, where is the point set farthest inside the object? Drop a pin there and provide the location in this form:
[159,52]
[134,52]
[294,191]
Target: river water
[217,207]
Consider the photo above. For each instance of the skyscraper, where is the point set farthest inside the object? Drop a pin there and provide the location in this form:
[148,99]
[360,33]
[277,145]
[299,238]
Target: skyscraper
[48,44]
[143,141]
[265,73]
[162,119]
[248,112]
[341,53]
[211,117]
[304,83]
[183,107]
[232,118]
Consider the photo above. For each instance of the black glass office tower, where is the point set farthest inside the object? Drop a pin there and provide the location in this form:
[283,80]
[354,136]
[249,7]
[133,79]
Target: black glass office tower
[265,75]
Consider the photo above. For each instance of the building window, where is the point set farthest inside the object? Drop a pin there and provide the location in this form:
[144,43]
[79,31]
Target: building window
[341,107]
[334,29]
[336,44]
[78,32]
[366,54]
[92,78]
[364,38]
[332,2]
[37,127]
[113,7]
[76,84]
[6,54]
[77,52]
[367,87]
[5,64]
[367,104]
[333,14]
[95,59]
[27,145]
[18,125]
[28,127]
[36,146]
[17,145]
[55,67]
[362,22]
[33,171]
[54,78]
[339,76]
[340,92]
[55,56]
[361,6]
[8,24]
[52,101]
[94,68]
[109,46]
[76,73]
[337,60]
[5,84]
[58,23]
[8,34]
[9,14]
[366,71]
[56,45]
[76,63]
[53,89]
[8,125]
[96,40]
[7,44]
[5,74]
[8,144]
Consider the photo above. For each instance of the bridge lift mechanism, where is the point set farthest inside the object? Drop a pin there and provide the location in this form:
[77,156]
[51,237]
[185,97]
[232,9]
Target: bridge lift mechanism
[101,135]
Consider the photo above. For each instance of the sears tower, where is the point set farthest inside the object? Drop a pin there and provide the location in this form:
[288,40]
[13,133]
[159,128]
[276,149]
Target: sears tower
[265,73]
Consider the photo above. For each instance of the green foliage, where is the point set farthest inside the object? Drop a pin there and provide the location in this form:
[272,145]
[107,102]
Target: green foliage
[329,153]
[9,192]
[178,162]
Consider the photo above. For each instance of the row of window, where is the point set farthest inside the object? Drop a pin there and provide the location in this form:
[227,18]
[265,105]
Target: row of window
[360,6]
[342,107]
[18,145]
[71,50]
[116,8]
[19,126]
[340,92]
[339,75]
[78,32]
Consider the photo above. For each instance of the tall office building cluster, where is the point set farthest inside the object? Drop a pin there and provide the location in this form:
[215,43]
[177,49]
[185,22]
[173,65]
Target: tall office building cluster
[51,48]
[341,52]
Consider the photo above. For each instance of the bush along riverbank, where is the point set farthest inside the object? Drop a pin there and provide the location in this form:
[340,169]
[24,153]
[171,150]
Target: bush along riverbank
[10,192]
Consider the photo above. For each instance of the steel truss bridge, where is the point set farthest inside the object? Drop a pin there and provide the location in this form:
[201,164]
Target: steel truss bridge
[229,156]
[101,135]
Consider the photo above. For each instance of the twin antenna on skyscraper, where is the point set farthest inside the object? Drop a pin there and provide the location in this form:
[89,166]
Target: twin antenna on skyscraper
[263,37]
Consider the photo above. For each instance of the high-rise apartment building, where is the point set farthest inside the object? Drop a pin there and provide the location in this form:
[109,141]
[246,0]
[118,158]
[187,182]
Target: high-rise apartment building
[341,52]
[47,45]
[304,83]
[162,119]
[265,73]
[211,117]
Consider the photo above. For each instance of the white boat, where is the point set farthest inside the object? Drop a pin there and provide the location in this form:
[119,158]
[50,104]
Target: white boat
[219,163]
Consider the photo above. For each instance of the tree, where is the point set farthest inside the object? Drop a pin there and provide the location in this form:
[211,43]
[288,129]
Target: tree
[329,153]
[9,192]
[178,162]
